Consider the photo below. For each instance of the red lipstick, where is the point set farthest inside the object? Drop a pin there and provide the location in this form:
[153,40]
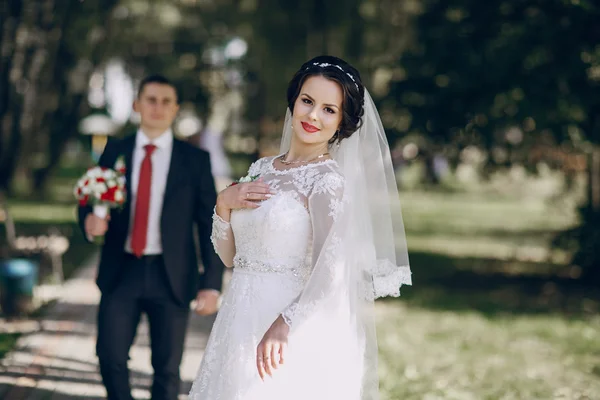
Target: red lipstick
[309,128]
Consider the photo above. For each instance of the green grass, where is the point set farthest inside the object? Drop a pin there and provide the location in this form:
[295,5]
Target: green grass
[483,225]
[430,354]
[492,314]
[43,213]
[7,342]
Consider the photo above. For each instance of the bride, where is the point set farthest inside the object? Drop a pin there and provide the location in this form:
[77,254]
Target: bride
[314,235]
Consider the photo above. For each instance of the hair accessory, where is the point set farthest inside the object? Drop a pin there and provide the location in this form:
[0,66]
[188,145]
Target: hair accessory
[323,65]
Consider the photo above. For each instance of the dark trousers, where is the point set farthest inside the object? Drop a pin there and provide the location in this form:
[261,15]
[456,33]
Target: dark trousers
[143,288]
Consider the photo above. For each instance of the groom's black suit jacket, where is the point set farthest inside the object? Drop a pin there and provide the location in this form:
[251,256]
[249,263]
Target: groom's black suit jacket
[189,200]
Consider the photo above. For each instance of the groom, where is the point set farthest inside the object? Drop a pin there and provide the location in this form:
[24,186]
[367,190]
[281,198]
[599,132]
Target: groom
[148,262]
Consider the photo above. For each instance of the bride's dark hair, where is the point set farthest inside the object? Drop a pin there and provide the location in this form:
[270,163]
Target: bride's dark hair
[347,77]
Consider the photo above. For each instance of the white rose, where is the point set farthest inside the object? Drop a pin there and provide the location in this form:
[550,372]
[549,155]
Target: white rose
[95,172]
[99,188]
[118,196]
[111,183]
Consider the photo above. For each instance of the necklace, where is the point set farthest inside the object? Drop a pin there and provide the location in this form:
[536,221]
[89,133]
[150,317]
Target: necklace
[283,161]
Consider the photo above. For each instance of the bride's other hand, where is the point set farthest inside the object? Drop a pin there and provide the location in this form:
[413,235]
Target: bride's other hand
[243,195]
[271,350]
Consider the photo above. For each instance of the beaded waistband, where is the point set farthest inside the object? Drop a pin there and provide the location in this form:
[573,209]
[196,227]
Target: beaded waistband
[297,271]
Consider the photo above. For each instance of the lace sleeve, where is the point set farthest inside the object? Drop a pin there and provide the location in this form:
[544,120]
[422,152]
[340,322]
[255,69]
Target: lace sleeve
[222,239]
[222,236]
[325,204]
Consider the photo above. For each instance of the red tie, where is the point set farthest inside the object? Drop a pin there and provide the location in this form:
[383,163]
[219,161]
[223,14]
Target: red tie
[142,204]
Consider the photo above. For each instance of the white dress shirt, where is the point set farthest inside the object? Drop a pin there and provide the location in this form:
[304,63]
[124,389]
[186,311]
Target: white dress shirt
[161,161]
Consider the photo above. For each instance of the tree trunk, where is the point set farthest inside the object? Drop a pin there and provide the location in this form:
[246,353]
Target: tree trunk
[594,180]
[10,13]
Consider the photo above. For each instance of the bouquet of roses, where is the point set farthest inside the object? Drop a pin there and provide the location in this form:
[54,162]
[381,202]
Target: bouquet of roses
[103,188]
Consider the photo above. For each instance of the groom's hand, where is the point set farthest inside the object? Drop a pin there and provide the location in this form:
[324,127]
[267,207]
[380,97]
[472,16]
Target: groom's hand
[207,302]
[95,226]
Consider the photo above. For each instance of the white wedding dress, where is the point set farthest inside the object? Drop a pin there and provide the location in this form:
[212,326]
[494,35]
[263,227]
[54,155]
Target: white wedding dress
[273,249]
[319,252]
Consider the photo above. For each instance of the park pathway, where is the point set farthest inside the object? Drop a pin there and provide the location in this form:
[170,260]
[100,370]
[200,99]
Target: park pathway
[57,361]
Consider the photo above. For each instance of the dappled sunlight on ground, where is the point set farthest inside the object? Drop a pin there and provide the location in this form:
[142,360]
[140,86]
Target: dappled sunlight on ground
[428,354]
[494,313]
[57,359]
[481,246]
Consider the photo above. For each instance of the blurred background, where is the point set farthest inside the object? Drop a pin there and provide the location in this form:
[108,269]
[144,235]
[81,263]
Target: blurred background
[492,111]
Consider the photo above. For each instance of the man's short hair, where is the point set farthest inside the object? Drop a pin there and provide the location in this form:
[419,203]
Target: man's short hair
[160,79]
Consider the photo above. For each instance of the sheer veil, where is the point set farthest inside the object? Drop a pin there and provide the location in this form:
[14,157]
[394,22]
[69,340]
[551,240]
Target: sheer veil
[364,255]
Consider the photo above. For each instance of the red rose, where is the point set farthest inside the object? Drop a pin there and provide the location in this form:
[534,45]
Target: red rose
[109,195]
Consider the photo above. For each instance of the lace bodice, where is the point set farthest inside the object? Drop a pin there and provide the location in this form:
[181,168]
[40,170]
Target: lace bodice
[278,236]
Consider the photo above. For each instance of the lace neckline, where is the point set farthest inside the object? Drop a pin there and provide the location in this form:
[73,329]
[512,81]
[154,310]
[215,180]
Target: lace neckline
[272,168]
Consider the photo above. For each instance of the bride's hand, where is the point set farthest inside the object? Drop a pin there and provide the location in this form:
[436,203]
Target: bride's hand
[244,195]
[271,350]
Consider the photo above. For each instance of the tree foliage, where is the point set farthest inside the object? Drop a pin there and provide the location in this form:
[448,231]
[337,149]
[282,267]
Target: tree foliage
[49,51]
[476,68]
